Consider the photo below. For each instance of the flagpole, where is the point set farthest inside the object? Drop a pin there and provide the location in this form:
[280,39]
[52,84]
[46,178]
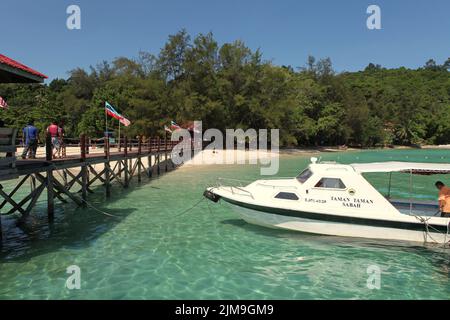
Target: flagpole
[119,136]
[106,121]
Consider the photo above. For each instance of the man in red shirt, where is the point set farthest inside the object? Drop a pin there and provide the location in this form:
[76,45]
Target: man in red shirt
[54,131]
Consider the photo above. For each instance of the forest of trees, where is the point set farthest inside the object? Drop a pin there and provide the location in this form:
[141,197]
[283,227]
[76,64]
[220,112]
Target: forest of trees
[231,86]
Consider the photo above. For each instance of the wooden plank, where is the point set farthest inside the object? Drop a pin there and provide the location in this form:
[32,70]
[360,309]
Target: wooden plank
[6,141]
[8,149]
[7,131]
[7,161]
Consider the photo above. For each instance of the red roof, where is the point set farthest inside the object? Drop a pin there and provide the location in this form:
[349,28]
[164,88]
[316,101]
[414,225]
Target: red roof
[17,65]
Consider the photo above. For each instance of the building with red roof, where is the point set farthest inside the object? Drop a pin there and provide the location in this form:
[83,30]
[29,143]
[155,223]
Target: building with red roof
[12,71]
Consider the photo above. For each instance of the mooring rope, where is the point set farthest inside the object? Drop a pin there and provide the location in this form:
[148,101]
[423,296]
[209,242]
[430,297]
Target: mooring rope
[427,229]
[88,203]
[99,210]
[190,208]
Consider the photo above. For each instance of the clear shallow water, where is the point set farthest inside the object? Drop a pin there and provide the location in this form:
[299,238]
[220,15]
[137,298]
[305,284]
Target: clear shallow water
[151,252]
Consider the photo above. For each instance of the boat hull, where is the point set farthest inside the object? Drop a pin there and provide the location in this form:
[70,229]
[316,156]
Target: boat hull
[333,228]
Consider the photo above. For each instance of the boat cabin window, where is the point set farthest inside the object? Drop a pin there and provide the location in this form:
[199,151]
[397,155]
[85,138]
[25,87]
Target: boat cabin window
[304,176]
[330,183]
[287,196]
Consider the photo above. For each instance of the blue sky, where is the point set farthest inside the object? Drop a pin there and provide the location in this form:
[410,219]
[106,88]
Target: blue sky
[287,31]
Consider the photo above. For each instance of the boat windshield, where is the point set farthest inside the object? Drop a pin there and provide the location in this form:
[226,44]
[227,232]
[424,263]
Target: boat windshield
[304,176]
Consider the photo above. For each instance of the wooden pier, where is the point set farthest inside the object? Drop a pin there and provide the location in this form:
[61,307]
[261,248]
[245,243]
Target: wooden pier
[58,178]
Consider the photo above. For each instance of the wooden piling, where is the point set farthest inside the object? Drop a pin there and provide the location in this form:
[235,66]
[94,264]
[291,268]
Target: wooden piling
[32,182]
[149,158]
[1,233]
[48,147]
[139,163]
[165,151]
[49,179]
[125,163]
[84,176]
[107,168]
[50,196]
[158,153]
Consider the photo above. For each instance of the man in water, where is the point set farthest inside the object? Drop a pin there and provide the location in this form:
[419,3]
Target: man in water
[31,137]
[444,199]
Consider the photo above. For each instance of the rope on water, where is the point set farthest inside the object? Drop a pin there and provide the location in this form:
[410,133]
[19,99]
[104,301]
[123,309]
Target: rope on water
[428,227]
[191,208]
[89,204]
[99,210]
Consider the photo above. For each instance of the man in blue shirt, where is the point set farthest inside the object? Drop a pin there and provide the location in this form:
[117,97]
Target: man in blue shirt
[31,136]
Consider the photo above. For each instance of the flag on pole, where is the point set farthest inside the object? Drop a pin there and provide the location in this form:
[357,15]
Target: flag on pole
[174,126]
[110,111]
[3,103]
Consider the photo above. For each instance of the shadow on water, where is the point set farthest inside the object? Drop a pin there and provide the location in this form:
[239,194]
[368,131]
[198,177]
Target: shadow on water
[436,254]
[72,228]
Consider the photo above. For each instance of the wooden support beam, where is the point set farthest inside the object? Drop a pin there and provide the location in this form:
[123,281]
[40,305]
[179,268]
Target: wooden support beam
[118,179]
[84,182]
[138,161]
[84,172]
[60,189]
[15,206]
[107,179]
[165,150]
[65,182]
[75,179]
[34,199]
[16,188]
[50,196]
[97,176]
[149,158]
[83,147]
[48,147]
[64,190]
[43,180]
[125,163]
[107,147]
[158,154]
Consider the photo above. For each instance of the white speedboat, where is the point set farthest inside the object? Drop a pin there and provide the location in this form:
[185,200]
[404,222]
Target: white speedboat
[335,199]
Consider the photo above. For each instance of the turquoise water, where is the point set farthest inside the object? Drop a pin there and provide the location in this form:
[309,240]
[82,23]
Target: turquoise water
[150,251]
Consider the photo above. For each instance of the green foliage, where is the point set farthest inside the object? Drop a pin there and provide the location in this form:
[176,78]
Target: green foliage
[231,86]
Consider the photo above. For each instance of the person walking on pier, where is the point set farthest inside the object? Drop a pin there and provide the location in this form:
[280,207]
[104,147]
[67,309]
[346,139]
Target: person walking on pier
[54,132]
[31,137]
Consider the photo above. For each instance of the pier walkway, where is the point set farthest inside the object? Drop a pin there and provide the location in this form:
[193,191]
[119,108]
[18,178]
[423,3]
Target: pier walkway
[71,178]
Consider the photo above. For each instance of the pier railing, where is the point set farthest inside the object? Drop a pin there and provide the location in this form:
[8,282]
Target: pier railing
[100,146]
